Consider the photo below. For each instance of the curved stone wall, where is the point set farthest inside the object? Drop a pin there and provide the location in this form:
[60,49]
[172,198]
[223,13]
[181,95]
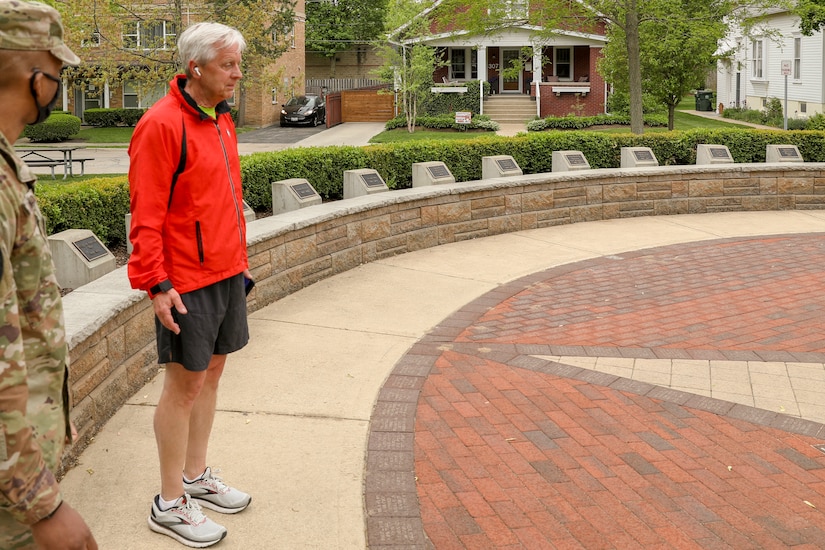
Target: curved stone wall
[110,328]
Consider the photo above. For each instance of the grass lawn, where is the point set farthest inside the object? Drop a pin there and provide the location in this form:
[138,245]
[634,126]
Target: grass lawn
[401,134]
[117,135]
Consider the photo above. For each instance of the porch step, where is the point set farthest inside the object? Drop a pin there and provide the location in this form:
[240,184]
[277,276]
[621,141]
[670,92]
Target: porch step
[504,109]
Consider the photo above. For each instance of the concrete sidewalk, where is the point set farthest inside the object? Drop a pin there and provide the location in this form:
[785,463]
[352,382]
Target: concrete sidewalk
[295,419]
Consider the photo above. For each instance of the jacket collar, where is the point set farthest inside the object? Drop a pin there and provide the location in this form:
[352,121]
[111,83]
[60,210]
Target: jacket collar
[177,86]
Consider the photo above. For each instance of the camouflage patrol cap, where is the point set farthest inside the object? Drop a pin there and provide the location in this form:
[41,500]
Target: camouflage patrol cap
[33,26]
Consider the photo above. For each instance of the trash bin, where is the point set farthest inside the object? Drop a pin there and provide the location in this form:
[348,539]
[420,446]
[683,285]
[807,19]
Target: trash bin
[704,100]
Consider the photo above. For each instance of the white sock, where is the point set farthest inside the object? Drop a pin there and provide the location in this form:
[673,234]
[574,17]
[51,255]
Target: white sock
[187,480]
[166,504]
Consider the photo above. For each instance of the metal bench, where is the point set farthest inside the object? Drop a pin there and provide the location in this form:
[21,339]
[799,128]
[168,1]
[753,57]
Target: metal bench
[34,163]
[82,162]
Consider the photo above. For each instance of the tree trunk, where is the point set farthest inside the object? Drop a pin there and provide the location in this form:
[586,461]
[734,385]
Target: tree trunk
[240,94]
[671,116]
[634,68]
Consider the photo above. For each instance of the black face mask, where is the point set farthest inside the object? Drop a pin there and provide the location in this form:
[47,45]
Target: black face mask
[43,111]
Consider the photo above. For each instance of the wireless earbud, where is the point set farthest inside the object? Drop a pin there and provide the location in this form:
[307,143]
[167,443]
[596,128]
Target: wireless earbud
[197,71]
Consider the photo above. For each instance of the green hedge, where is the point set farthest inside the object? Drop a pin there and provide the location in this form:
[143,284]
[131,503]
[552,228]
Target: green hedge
[100,204]
[58,127]
[445,122]
[582,122]
[442,103]
[107,118]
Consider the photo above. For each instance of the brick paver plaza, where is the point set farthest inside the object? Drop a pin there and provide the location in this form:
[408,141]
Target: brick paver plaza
[636,400]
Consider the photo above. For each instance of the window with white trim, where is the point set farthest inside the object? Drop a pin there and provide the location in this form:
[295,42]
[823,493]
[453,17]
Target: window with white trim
[458,64]
[140,95]
[757,59]
[130,96]
[797,58]
[92,42]
[563,63]
[516,9]
[158,35]
[463,63]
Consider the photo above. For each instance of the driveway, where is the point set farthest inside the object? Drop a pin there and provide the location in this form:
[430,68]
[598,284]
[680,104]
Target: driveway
[277,134]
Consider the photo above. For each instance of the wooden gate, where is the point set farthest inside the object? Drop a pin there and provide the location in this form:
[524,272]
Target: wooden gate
[367,105]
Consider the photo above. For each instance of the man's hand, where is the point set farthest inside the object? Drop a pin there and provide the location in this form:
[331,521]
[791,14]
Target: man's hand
[163,304]
[65,530]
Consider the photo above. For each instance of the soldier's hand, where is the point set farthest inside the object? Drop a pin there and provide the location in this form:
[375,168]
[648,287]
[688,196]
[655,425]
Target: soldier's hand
[163,304]
[65,530]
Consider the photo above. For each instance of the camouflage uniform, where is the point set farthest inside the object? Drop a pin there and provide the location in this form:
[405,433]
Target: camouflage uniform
[33,359]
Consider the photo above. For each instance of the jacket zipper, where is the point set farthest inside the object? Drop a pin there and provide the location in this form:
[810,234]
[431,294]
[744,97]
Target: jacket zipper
[231,184]
[199,240]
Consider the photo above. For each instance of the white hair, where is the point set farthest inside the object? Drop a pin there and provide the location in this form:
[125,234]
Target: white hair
[200,42]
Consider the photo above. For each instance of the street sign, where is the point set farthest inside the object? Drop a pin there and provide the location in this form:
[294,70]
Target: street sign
[786,67]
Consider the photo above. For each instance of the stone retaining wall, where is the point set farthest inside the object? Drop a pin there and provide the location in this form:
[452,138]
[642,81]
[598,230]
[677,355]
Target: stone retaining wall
[110,328]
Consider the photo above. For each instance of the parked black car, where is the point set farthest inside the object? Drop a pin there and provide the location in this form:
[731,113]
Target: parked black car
[304,109]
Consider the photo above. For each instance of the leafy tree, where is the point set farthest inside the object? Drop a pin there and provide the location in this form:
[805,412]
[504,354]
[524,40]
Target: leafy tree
[812,15]
[335,25]
[131,41]
[407,62]
[625,20]
[675,53]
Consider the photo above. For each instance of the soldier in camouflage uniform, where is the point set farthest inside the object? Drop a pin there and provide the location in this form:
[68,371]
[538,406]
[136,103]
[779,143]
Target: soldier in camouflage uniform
[34,424]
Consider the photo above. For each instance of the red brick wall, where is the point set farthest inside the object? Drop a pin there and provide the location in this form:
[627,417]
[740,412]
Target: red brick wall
[574,104]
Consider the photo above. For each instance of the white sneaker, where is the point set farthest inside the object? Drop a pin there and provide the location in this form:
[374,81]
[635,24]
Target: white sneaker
[211,492]
[185,523]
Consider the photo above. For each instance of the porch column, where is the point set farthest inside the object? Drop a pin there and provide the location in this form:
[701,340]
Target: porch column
[481,61]
[106,102]
[538,69]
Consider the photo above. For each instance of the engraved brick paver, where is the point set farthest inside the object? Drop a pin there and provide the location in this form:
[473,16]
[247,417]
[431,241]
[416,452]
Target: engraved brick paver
[509,450]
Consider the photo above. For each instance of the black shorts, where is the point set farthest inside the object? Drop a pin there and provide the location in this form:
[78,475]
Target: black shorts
[215,324]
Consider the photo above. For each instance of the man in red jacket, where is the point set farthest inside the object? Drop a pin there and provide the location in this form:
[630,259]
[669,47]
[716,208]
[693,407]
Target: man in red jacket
[189,238]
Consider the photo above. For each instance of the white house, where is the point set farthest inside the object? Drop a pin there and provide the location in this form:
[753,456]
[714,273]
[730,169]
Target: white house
[757,67]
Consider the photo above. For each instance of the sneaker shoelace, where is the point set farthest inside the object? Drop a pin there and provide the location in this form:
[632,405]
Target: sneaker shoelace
[216,482]
[191,510]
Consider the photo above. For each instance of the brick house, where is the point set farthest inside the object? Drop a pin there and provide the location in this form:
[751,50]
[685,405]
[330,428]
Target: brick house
[561,76]
[263,101]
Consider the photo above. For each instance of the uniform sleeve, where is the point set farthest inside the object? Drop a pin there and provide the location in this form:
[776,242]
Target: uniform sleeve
[154,153]
[28,489]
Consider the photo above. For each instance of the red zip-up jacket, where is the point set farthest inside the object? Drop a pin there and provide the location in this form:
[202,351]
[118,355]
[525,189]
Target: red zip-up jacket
[199,236]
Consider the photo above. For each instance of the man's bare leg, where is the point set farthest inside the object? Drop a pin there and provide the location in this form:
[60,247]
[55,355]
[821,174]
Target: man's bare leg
[181,389]
[201,419]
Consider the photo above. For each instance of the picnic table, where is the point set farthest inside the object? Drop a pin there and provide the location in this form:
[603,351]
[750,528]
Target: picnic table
[52,157]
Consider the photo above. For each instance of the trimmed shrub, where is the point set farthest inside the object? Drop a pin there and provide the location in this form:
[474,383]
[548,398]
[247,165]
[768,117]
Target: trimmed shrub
[582,122]
[58,127]
[445,122]
[107,118]
[816,122]
[98,204]
[434,104]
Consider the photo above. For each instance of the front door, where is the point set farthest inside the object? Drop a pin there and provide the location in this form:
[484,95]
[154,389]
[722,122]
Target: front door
[510,85]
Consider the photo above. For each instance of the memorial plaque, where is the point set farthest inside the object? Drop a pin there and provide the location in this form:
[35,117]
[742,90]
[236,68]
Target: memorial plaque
[91,248]
[643,155]
[507,164]
[788,152]
[303,190]
[438,171]
[576,160]
[712,154]
[79,257]
[372,180]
